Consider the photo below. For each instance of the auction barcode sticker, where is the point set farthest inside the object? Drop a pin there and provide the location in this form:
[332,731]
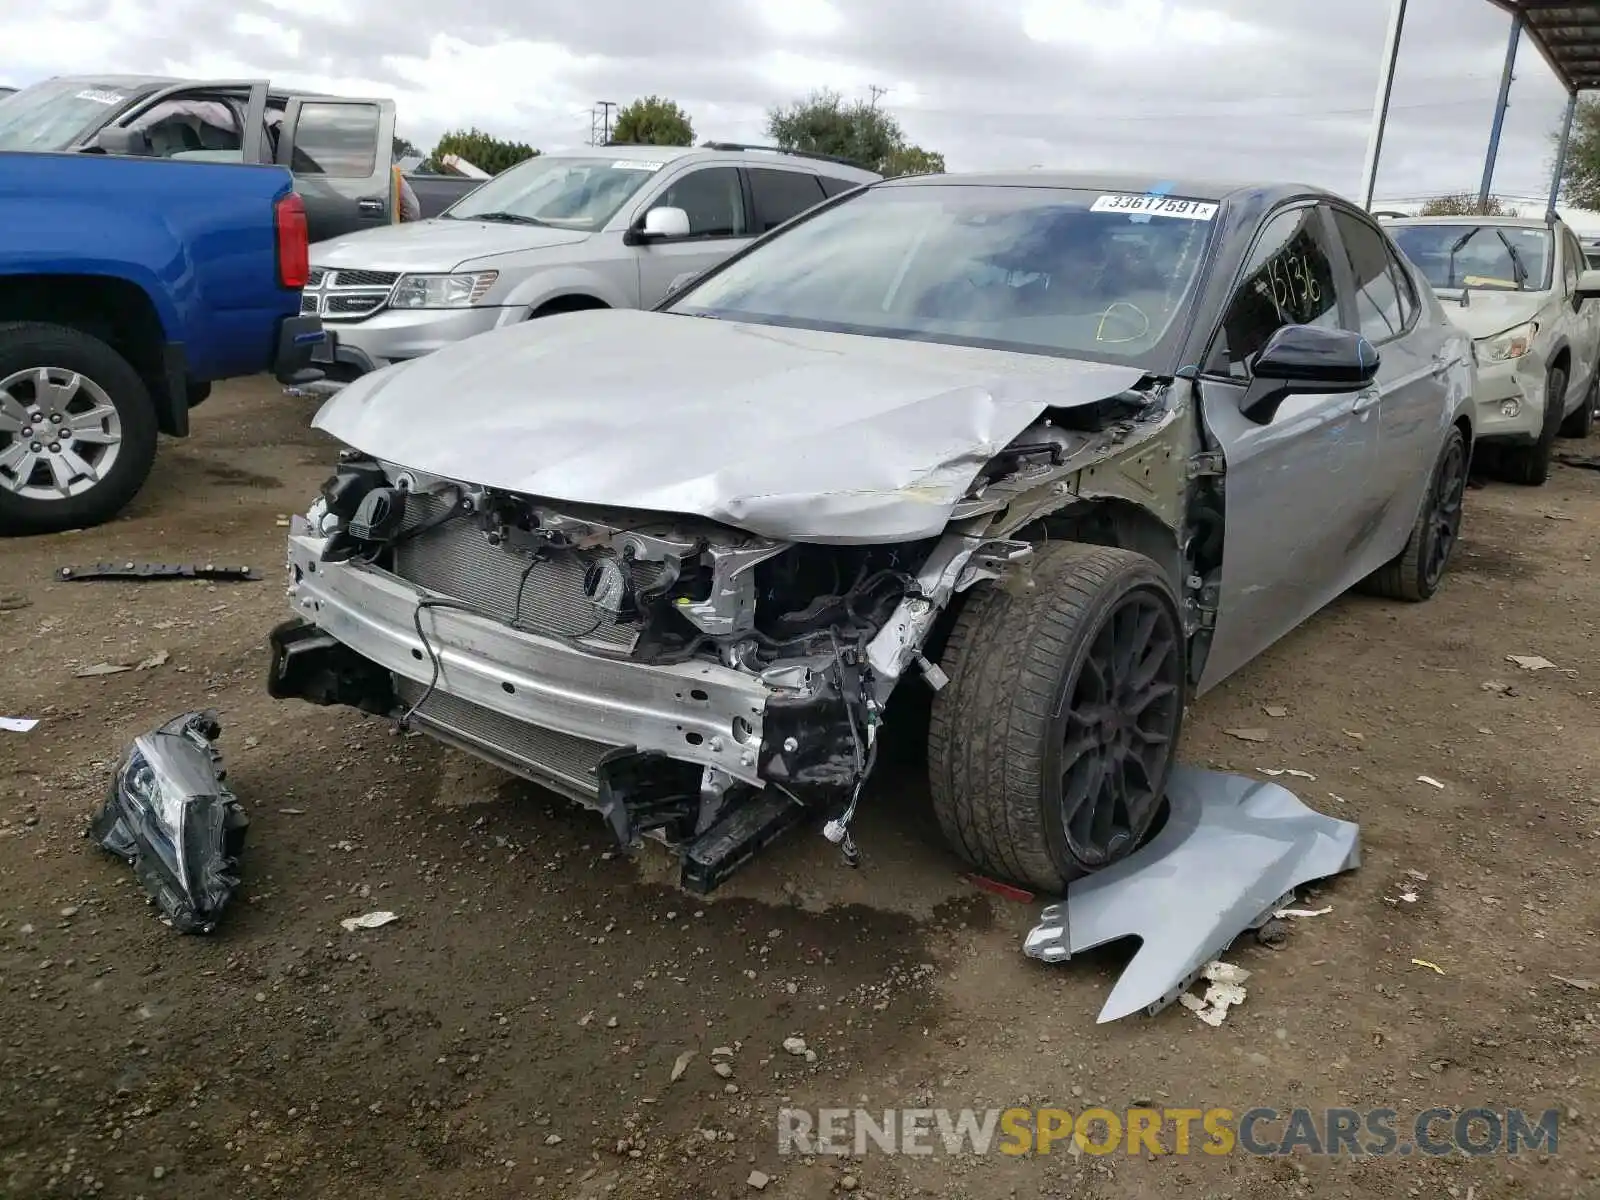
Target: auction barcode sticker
[1157,206]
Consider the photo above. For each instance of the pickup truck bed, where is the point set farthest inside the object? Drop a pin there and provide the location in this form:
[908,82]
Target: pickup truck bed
[127,286]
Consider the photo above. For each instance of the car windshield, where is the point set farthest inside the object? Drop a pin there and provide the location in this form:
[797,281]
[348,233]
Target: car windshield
[54,114]
[1035,269]
[577,193]
[1458,255]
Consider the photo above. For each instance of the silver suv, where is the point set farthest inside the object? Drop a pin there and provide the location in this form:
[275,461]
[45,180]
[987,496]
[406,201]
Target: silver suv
[599,227]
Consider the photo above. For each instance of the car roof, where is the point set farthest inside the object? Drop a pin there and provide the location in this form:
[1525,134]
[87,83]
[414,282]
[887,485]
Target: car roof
[1510,222]
[724,150]
[1122,183]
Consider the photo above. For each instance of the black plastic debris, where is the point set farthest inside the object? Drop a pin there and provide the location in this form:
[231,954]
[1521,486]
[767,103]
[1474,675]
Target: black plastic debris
[152,570]
[171,815]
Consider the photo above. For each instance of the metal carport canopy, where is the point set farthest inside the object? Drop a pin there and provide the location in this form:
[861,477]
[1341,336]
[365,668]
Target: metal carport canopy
[1567,36]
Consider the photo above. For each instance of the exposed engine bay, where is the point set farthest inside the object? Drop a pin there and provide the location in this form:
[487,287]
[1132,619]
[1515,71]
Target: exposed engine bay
[692,681]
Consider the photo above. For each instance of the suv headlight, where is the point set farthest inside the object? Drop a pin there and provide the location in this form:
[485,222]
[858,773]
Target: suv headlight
[442,291]
[1503,347]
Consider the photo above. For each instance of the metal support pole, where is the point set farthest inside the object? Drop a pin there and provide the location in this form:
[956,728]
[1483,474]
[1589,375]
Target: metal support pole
[1380,106]
[1561,152]
[1500,111]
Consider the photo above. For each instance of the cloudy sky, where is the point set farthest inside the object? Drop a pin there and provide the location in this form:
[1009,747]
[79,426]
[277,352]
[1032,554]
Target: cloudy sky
[1279,88]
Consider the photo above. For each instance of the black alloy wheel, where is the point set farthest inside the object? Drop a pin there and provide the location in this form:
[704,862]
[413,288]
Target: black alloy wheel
[1119,727]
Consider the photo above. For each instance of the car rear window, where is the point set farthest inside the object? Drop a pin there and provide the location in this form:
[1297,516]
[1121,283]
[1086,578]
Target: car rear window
[780,195]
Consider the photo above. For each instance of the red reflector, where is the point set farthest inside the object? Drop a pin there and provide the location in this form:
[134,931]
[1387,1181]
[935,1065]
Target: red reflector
[1000,889]
[294,246]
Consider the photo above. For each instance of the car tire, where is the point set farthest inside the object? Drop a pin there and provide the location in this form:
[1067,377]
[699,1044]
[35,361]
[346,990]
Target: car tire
[123,440]
[1415,574]
[1530,465]
[1030,665]
[1580,423]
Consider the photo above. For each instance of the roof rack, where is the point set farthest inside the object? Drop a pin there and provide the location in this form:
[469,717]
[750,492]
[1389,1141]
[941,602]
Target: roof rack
[833,158]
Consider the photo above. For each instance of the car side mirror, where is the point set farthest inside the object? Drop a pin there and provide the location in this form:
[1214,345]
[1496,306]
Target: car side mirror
[1588,285]
[1303,359]
[658,225]
[114,139]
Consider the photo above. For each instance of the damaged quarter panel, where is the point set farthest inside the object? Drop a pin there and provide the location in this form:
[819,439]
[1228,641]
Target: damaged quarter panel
[791,433]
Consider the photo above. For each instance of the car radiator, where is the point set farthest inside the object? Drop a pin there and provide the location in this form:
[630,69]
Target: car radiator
[558,761]
[539,595]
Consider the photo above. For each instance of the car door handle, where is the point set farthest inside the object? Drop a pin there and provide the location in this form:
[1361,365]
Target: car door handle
[1366,399]
[369,204]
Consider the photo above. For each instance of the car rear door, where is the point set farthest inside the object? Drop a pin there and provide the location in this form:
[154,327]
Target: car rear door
[1417,358]
[778,195]
[1296,488]
[341,151]
[1585,315]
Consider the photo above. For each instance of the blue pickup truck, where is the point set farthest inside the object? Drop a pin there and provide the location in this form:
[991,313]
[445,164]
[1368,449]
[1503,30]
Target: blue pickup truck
[127,286]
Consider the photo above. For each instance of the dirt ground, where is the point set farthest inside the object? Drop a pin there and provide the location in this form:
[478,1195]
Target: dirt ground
[514,1033]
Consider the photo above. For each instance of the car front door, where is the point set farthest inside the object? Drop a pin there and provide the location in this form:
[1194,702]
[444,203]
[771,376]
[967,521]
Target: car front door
[719,225]
[1416,360]
[1585,316]
[218,120]
[1296,488]
[341,152]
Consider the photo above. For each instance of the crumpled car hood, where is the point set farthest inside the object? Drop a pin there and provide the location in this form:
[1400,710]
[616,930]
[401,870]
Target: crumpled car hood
[1490,312]
[794,434]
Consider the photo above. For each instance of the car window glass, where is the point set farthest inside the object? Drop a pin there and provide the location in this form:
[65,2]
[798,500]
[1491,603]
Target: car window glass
[339,140]
[1039,270]
[713,200]
[1377,292]
[1569,252]
[186,124]
[779,195]
[1407,289]
[54,114]
[1288,280]
[832,186]
[575,193]
[1455,254]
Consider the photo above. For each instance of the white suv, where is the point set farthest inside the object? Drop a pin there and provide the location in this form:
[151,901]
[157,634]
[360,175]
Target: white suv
[1522,288]
[597,227]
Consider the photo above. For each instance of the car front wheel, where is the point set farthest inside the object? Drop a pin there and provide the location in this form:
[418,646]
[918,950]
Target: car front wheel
[1581,422]
[1049,749]
[1530,465]
[77,430]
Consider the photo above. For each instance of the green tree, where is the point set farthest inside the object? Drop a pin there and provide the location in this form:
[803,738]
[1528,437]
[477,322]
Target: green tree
[652,121]
[478,148]
[825,123]
[403,147]
[913,160]
[1464,204]
[1580,177]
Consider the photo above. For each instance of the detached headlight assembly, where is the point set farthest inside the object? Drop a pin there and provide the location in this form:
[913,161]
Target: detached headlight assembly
[442,291]
[1503,347]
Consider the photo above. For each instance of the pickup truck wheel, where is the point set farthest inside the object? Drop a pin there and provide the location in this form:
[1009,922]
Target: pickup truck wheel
[1581,423]
[1050,747]
[77,429]
[1416,573]
[1530,465]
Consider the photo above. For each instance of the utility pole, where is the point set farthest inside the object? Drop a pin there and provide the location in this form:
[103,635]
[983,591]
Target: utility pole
[604,117]
[876,92]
